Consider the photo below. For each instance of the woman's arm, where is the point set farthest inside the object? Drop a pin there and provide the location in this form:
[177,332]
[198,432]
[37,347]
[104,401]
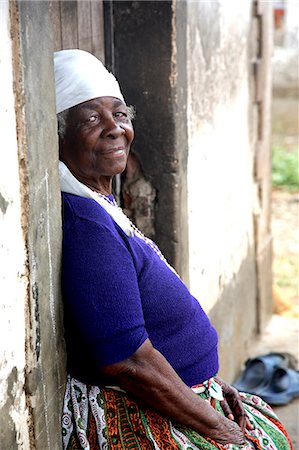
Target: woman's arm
[114,327]
[150,378]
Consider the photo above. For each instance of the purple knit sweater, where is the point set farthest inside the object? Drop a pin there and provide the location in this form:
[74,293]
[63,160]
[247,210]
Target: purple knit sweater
[118,292]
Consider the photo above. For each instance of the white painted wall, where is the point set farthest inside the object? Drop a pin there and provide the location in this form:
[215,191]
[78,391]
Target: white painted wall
[13,277]
[220,165]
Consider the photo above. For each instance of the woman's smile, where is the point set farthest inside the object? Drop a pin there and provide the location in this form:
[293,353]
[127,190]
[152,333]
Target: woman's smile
[115,152]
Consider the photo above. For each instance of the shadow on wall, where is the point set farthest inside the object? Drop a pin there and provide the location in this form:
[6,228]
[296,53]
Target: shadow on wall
[235,320]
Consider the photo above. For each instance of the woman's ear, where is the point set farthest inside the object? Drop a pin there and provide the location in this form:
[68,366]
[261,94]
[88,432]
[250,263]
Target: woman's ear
[62,144]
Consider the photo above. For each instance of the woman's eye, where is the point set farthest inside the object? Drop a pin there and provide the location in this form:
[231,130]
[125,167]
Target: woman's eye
[92,119]
[120,114]
[88,121]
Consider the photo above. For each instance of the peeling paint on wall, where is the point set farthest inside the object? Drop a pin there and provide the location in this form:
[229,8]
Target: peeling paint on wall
[8,434]
[3,204]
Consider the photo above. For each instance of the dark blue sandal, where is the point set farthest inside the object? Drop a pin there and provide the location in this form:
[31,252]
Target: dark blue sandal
[258,372]
[283,387]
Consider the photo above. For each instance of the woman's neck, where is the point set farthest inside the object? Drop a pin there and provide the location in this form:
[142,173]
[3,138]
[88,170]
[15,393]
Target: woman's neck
[101,185]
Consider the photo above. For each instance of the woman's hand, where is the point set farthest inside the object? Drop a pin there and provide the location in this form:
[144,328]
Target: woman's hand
[149,377]
[232,405]
[227,432]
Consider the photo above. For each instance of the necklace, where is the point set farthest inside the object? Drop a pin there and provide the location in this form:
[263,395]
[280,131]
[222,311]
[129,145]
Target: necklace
[138,233]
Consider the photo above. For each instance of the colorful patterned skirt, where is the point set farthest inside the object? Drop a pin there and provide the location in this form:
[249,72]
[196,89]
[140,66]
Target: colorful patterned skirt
[108,419]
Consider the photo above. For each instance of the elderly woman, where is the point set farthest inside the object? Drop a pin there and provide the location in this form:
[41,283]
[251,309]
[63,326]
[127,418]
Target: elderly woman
[142,354]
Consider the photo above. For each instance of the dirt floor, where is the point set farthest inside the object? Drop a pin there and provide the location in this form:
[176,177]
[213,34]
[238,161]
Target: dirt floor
[285,231]
[282,333]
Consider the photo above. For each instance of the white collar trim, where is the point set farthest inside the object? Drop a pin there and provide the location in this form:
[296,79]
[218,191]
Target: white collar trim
[70,185]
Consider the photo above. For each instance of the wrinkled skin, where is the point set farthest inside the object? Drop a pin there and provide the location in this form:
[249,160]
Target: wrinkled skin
[148,376]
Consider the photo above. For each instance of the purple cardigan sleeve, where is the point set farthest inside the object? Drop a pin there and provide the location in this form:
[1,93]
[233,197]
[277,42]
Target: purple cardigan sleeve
[100,288]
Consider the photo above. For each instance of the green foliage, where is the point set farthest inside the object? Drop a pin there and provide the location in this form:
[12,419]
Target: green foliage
[285,168]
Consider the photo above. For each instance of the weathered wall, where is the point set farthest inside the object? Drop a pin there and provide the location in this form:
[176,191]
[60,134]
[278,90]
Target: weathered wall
[32,363]
[261,52]
[150,63]
[198,73]
[220,172]
[220,155]
[45,351]
[78,24]
[14,277]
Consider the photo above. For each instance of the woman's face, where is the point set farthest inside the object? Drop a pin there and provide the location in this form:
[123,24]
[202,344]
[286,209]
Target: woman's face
[98,137]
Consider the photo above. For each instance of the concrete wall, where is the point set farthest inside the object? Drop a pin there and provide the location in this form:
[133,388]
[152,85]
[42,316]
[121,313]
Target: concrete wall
[261,51]
[150,63]
[14,412]
[220,172]
[198,73]
[32,370]
[220,155]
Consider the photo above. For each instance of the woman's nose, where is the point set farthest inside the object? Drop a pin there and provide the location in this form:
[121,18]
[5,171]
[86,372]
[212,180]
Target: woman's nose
[112,128]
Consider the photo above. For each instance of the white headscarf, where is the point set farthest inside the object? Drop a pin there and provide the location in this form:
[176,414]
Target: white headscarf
[79,77]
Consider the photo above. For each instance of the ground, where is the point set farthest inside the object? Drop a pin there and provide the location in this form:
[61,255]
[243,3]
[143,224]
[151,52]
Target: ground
[285,221]
[282,335]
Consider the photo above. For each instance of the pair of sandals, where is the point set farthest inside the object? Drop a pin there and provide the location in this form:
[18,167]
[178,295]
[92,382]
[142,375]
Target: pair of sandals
[273,377]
